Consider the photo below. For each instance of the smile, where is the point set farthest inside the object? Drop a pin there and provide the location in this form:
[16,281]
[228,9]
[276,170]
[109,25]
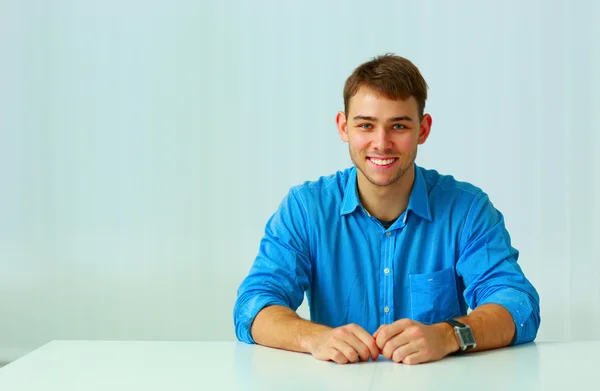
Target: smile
[382,162]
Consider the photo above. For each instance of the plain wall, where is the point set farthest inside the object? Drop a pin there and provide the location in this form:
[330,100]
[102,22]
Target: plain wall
[144,145]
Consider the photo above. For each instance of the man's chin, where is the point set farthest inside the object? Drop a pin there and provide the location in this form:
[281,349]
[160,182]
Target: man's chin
[381,182]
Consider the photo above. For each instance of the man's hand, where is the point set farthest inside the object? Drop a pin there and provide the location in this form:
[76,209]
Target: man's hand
[411,342]
[349,343]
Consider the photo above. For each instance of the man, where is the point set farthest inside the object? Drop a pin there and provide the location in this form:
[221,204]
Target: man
[391,255]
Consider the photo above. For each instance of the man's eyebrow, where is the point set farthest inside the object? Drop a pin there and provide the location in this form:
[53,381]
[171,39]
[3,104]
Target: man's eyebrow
[365,118]
[373,119]
[398,119]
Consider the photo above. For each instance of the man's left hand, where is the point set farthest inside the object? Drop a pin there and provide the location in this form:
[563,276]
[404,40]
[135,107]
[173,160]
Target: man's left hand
[411,342]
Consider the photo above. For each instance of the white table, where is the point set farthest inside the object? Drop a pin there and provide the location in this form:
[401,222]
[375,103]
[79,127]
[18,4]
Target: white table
[199,366]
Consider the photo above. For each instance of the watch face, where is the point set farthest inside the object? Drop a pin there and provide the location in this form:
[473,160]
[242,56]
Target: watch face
[466,336]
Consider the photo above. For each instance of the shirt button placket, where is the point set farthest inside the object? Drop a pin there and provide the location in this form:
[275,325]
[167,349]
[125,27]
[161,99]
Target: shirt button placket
[387,283]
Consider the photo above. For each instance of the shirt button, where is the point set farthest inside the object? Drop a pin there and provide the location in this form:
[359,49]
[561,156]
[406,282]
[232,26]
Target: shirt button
[388,234]
[386,309]
[386,270]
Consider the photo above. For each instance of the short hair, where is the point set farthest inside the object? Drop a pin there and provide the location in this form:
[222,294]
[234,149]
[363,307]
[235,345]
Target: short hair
[392,76]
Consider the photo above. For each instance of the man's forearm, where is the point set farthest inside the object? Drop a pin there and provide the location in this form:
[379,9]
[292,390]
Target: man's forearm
[492,325]
[280,327]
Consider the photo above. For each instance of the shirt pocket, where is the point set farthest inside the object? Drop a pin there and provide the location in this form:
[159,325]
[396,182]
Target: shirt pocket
[433,296]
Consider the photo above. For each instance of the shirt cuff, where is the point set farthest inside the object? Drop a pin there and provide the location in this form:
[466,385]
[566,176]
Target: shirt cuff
[247,311]
[518,303]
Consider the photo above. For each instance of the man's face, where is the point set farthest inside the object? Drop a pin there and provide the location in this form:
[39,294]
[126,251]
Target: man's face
[382,135]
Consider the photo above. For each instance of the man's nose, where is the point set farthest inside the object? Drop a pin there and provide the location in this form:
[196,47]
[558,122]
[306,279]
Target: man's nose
[382,140]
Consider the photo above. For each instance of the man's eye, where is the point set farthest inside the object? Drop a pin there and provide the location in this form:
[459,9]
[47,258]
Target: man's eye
[365,126]
[398,127]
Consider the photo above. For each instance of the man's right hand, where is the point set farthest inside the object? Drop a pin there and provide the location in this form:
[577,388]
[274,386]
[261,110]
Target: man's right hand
[345,344]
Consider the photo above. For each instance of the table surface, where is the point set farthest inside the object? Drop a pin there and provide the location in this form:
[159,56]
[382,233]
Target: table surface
[198,366]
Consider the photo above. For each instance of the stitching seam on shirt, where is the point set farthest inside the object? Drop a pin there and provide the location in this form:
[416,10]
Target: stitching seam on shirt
[307,217]
[458,185]
[325,182]
[462,233]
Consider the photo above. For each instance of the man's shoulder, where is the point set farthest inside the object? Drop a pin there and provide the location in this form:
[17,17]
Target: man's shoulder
[447,186]
[332,185]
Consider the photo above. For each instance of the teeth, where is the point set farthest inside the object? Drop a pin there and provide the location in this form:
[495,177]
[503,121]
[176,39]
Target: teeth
[380,162]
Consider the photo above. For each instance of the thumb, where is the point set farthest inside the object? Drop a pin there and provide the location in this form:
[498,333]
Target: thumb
[377,332]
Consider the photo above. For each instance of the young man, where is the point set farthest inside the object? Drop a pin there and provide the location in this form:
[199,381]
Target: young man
[390,255]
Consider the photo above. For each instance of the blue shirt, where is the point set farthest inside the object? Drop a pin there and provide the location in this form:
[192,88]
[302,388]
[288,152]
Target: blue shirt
[449,251]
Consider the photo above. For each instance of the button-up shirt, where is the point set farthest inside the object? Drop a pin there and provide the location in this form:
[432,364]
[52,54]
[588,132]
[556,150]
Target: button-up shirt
[447,252]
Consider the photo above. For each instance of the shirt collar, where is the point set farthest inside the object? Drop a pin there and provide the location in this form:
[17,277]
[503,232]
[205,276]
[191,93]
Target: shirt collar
[351,200]
[419,197]
[418,202]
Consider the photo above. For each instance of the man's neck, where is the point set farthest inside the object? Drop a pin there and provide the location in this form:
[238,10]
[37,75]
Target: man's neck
[386,202]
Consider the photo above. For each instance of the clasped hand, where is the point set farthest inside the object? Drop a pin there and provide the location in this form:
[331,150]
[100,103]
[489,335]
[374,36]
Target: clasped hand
[405,341]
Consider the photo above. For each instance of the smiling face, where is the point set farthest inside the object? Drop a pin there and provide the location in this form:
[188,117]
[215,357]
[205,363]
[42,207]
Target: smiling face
[382,135]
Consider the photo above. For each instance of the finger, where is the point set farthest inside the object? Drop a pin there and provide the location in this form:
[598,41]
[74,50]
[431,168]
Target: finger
[366,341]
[361,349]
[347,350]
[394,343]
[337,356]
[331,354]
[415,358]
[346,342]
[405,351]
[390,330]
[377,331]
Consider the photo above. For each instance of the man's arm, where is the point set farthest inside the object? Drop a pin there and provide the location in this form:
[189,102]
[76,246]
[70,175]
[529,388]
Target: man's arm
[264,311]
[281,272]
[491,274]
[280,327]
[492,326]
[505,303]
[413,342]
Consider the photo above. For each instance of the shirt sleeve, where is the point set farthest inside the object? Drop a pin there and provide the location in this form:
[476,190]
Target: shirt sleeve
[281,272]
[490,272]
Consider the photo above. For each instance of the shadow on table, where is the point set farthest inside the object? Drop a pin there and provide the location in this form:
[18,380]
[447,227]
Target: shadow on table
[499,369]
[262,368]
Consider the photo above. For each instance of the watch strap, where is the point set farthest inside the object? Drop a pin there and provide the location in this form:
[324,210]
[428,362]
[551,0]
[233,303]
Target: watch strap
[455,323]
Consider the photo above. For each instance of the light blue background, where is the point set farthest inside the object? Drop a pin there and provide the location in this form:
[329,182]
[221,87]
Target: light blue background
[144,144]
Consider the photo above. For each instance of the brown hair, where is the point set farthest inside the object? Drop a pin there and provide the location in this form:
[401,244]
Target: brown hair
[393,76]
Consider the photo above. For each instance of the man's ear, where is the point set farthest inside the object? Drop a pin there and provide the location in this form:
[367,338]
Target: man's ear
[340,120]
[425,128]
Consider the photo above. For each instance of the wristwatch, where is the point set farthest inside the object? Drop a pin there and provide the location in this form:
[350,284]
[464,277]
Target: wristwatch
[464,335]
